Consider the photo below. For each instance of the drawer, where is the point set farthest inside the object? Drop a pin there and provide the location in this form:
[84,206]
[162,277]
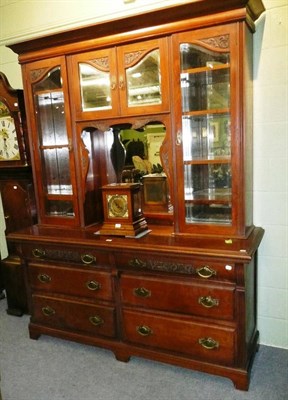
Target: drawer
[71,281]
[74,315]
[206,270]
[66,254]
[179,295]
[180,335]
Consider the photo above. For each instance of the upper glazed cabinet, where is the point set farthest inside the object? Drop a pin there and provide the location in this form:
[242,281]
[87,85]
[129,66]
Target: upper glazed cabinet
[213,148]
[121,81]
[189,71]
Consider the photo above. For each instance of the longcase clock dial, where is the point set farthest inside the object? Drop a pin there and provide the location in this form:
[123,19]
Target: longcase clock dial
[9,146]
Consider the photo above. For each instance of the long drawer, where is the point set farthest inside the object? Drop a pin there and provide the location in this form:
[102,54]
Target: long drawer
[70,254]
[74,315]
[179,295]
[87,282]
[206,342]
[206,270]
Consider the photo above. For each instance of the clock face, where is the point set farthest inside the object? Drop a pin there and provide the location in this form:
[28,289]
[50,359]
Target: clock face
[117,206]
[9,148]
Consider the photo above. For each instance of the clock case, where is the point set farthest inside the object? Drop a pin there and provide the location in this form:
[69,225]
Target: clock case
[14,101]
[132,222]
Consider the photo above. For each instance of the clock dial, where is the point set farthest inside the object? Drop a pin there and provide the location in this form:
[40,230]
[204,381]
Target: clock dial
[117,206]
[9,147]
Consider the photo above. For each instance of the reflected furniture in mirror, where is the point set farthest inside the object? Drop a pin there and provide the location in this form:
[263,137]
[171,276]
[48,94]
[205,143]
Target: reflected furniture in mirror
[160,103]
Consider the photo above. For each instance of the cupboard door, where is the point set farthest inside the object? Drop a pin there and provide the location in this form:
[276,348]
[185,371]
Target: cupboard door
[143,78]
[208,136]
[94,84]
[51,135]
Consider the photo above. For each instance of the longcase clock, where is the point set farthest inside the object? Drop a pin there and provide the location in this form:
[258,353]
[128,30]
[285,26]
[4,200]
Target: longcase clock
[16,189]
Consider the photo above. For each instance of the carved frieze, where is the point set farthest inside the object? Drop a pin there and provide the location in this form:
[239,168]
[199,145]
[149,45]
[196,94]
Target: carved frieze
[217,42]
[101,63]
[165,266]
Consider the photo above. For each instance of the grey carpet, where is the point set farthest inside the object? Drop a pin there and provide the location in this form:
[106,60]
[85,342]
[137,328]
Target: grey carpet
[55,369]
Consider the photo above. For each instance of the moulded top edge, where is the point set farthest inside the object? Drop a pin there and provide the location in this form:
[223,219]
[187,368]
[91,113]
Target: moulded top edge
[136,22]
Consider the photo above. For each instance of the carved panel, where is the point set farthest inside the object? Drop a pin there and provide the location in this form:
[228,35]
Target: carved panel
[36,74]
[218,42]
[131,58]
[156,265]
[101,63]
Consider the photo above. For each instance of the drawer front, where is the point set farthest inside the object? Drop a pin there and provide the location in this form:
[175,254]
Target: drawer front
[179,295]
[73,315]
[206,270]
[88,283]
[67,254]
[180,335]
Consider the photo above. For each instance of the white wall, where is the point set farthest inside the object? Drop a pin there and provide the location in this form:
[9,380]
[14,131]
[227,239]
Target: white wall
[271,169]
[24,19]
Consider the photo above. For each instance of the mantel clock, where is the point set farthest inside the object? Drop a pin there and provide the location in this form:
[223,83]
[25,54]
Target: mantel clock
[123,210]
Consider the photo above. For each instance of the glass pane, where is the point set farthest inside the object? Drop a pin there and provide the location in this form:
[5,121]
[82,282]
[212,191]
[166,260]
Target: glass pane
[144,81]
[193,56]
[208,192]
[56,171]
[206,136]
[51,118]
[58,207]
[50,82]
[95,88]
[205,90]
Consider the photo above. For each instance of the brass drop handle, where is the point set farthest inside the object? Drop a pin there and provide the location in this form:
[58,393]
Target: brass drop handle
[93,285]
[48,311]
[208,343]
[44,278]
[121,82]
[113,83]
[38,253]
[96,320]
[144,330]
[142,292]
[205,272]
[88,258]
[208,301]
[179,138]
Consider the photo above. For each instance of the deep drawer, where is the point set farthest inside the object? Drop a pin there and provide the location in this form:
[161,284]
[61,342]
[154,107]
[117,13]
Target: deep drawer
[71,281]
[179,295]
[205,270]
[73,315]
[180,335]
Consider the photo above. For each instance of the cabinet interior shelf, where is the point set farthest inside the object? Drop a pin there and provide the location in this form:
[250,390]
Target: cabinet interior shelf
[205,161]
[209,68]
[53,147]
[206,112]
[210,195]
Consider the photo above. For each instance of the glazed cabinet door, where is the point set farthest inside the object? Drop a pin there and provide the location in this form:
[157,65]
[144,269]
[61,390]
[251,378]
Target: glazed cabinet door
[126,80]
[53,156]
[208,133]
[94,84]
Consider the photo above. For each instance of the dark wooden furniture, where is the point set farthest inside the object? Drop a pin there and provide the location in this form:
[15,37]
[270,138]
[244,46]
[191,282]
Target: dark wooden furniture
[17,192]
[185,293]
